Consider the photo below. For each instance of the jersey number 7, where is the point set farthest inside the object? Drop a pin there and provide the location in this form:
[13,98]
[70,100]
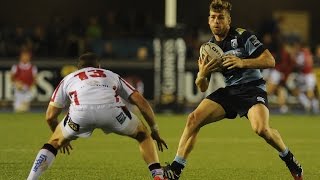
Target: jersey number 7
[83,76]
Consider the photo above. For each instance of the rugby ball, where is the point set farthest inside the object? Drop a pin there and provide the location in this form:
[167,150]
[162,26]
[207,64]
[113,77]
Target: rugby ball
[213,51]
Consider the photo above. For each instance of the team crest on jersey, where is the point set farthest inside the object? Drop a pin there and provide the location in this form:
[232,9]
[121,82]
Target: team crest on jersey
[74,126]
[234,43]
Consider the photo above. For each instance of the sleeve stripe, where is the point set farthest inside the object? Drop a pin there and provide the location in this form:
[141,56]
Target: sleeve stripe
[55,92]
[126,83]
[55,104]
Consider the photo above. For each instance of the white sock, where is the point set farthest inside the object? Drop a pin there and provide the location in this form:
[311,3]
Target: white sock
[43,160]
[157,172]
[315,105]
[284,153]
[305,101]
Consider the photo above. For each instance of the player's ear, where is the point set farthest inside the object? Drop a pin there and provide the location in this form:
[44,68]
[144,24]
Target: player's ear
[229,19]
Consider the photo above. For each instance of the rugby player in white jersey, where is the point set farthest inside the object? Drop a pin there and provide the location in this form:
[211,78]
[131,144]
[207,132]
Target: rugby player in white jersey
[94,96]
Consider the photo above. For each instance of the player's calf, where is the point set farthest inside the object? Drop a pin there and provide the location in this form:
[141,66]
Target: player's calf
[193,122]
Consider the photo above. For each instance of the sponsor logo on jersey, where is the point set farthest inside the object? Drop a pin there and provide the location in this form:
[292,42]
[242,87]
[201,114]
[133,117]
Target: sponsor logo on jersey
[74,126]
[39,162]
[234,43]
[121,118]
[254,41]
[261,99]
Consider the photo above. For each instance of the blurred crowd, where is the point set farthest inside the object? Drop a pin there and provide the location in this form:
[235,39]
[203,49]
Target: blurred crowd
[108,36]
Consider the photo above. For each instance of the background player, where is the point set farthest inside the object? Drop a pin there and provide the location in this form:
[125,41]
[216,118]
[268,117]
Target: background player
[277,79]
[95,103]
[23,76]
[244,94]
[306,79]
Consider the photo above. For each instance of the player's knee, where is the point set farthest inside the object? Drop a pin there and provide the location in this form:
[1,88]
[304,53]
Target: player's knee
[193,120]
[141,136]
[141,133]
[261,131]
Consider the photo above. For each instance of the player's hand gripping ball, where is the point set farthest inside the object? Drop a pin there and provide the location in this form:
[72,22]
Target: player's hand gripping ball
[214,53]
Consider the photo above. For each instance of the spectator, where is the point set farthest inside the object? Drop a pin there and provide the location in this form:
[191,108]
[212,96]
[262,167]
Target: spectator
[40,41]
[94,30]
[110,27]
[56,36]
[75,38]
[94,36]
[270,33]
[16,40]
[2,41]
[23,76]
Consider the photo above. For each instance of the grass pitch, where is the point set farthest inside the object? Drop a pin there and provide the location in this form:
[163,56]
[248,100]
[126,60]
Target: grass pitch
[226,150]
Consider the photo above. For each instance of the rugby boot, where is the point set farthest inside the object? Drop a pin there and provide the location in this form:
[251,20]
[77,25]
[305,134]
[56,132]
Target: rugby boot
[294,166]
[169,173]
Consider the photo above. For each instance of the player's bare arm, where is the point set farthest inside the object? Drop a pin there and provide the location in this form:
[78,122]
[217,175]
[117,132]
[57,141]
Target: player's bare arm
[52,120]
[137,99]
[12,78]
[265,60]
[52,116]
[205,69]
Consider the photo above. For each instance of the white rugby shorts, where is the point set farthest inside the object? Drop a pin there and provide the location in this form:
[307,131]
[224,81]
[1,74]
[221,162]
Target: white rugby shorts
[275,76]
[307,82]
[83,119]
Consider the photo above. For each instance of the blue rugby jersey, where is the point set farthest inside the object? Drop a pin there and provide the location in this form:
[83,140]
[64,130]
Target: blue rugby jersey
[243,44]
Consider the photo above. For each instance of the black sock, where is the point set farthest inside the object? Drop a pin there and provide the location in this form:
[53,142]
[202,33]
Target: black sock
[288,157]
[154,166]
[177,167]
[50,148]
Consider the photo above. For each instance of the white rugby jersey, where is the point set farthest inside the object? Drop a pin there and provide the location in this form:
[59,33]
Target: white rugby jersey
[91,86]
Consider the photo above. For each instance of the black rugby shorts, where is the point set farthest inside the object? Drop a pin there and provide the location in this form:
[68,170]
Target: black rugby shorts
[238,99]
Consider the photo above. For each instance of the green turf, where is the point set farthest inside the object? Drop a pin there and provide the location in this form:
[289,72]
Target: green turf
[227,150]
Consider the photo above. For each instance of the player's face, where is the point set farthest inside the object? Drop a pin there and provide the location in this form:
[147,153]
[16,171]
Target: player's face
[25,57]
[219,22]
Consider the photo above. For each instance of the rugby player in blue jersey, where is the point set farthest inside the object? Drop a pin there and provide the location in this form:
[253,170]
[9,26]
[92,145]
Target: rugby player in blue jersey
[244,94]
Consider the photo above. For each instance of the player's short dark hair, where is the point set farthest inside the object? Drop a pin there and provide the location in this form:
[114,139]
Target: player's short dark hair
[88,60]
[220,5]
